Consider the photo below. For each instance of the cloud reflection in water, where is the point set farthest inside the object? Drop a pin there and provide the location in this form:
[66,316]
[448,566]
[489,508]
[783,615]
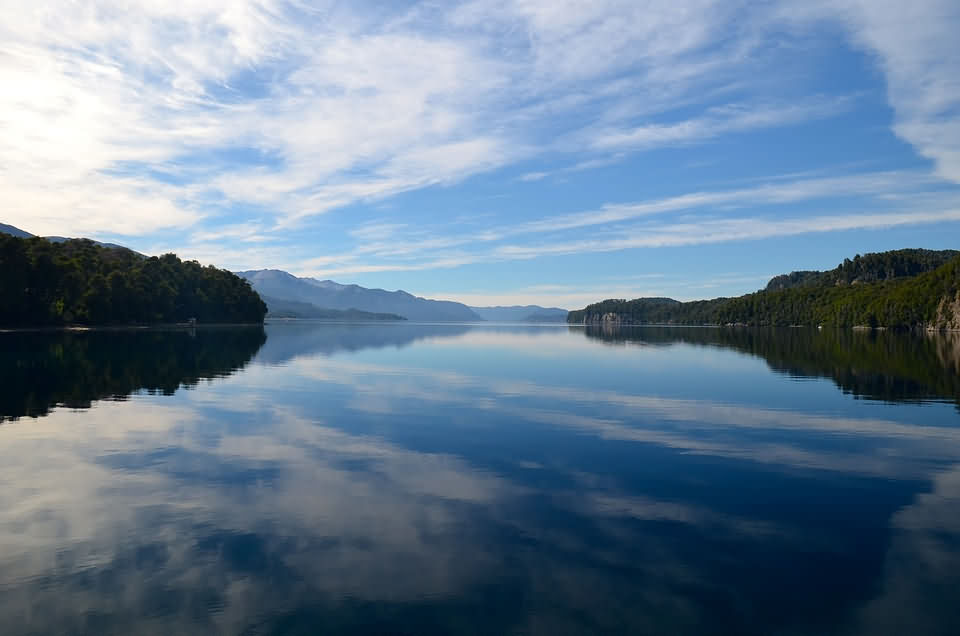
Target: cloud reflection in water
[362,489]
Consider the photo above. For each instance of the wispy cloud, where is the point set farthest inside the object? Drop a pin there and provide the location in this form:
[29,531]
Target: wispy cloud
[534,176]
[704,232]
[773,193]
[915,46]
[655,235]
[300,111]
[252,232]
[715,122]
[688,219]
[570,296]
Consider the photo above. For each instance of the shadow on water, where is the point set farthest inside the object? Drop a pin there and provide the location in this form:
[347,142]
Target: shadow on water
[42,370]
[877,365]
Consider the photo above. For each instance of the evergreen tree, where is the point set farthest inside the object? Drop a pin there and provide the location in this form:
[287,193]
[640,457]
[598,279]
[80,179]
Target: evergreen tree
[79,282]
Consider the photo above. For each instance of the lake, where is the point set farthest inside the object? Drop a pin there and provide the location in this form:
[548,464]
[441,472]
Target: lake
[309,478]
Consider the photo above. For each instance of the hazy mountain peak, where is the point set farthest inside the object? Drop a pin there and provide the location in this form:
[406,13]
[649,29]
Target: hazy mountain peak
[521,313]
[325,284]
[328,294]
[14,231]
[266,273]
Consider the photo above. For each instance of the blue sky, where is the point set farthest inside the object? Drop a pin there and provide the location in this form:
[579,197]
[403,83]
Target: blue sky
[490,151]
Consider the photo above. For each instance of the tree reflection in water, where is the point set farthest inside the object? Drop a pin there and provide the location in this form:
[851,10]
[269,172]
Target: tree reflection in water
[42,370]
[879,365]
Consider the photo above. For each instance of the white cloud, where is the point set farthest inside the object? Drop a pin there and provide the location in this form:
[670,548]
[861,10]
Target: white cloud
[534,176]
[124,119]
[250,232]
[152,84]
[658,235]
[376,231]
[715,122]
[773,193]
[915,44]
[568,41]
[635,225]
[702,232]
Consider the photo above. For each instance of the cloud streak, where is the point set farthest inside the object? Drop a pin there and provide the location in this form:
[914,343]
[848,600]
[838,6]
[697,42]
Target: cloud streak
[716,122]
[696,218]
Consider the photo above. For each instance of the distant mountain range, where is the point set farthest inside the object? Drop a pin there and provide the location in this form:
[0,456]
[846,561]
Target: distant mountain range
[279,288]
[15,231]
[326,294]
[288,296]
[293,309]
[518,313]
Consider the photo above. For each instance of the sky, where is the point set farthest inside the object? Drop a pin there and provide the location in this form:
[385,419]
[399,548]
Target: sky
[489,151]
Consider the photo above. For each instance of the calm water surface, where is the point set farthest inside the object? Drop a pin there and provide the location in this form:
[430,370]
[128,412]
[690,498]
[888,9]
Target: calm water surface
[415,479]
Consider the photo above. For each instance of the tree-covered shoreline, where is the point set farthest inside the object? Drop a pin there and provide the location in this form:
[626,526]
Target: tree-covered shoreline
[871,291]
[77,282]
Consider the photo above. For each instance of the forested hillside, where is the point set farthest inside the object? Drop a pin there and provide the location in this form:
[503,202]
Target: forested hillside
[930,299]
[79,282]
[869,268]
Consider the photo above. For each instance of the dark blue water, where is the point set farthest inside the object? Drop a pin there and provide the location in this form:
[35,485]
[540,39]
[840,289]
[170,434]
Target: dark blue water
[416,479]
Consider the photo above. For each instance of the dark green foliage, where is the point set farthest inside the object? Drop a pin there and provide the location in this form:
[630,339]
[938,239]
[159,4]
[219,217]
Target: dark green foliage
[794,279]
[79,282]
[869,268]
[73,369]
[646,311]
[896,301]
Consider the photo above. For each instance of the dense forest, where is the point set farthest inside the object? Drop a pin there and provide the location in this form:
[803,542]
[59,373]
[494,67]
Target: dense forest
[902,289]
[45,283]
[869,268]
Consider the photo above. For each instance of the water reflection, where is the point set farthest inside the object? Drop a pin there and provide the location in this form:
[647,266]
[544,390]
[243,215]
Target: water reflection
[289,339]
[884,365]
[40,370]
[481,482]
[921,576]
